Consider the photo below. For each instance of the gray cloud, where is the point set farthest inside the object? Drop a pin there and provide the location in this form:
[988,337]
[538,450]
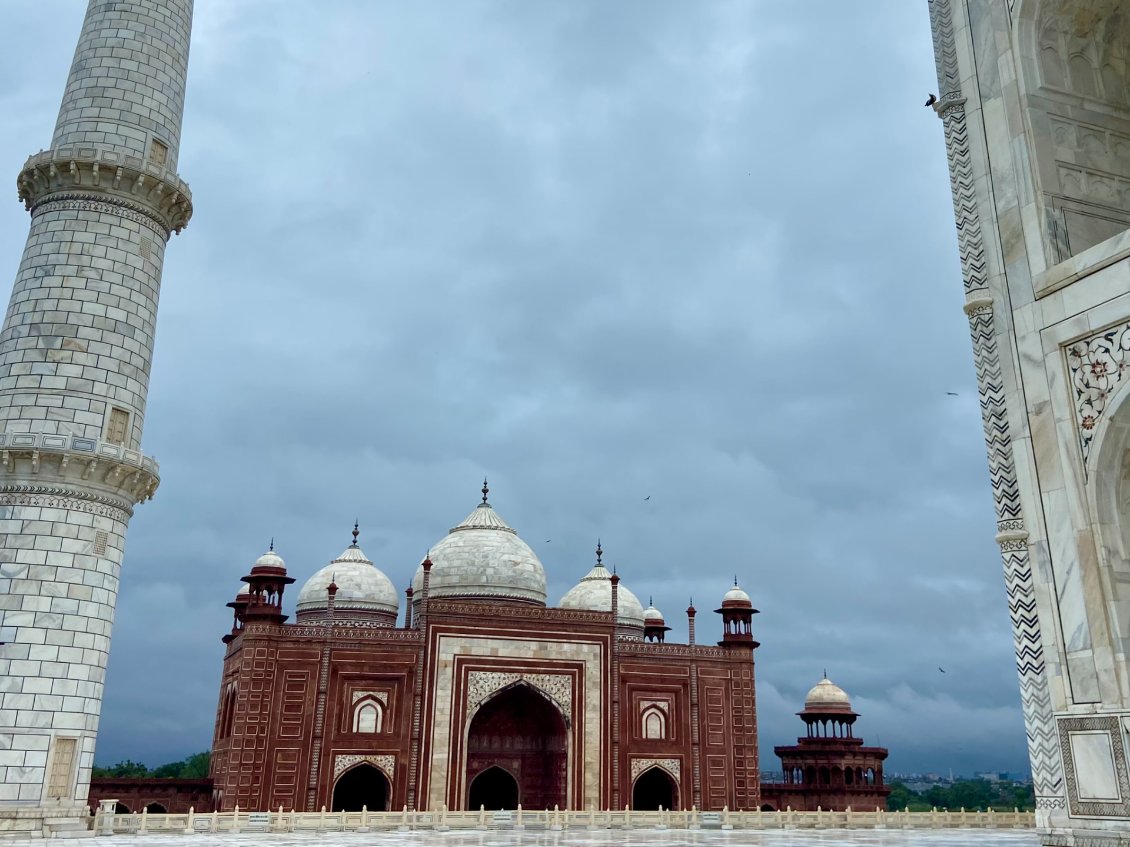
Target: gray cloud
[599,252]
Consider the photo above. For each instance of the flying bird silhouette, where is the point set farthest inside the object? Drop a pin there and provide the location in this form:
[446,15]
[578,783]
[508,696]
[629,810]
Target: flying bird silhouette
[942,670]
[931,100]
[648,497]
[952,393]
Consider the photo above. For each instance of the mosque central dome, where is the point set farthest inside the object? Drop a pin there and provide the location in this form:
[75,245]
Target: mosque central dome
[482,558]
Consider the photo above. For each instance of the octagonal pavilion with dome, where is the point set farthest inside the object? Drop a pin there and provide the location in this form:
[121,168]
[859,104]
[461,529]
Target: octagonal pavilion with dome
[474,692]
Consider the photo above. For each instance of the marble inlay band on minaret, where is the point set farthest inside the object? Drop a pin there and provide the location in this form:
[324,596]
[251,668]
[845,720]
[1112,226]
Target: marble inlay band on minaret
[75,355]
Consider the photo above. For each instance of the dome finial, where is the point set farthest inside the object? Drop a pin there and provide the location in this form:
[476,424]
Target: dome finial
[599,551]
[356,532]
[271,549]
[825,673]
[735,580]
[486,489]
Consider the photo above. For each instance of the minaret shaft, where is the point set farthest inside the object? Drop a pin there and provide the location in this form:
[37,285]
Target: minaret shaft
[75,355]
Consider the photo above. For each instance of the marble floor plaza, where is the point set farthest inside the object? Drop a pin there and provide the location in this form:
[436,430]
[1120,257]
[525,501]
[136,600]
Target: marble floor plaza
[588,838]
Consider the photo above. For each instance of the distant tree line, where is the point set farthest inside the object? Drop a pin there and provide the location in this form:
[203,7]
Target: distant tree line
[192,767]
[968,794]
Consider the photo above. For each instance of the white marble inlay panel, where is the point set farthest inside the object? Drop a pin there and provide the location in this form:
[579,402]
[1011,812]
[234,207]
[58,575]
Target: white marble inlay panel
[1093,756]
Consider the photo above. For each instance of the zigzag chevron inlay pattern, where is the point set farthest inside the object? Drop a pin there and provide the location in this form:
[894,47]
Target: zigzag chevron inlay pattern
[1043,746]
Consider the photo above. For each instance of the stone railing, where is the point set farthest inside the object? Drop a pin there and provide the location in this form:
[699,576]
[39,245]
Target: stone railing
[108,822]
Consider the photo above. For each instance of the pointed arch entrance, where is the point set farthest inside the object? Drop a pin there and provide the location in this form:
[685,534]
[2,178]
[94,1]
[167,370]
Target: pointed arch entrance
[654,788]
[361,785]
[522,734]
[493,789]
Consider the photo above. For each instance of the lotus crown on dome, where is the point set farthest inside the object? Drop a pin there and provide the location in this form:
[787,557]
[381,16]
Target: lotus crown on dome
[827,694]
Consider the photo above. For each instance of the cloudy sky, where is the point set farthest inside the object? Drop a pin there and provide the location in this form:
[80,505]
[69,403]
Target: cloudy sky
[698,252]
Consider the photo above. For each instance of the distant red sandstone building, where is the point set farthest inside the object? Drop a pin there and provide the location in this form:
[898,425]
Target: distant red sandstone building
[828,767]
[481,695]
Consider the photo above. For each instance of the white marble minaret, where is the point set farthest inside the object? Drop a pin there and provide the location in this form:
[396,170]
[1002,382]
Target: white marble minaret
[75,353]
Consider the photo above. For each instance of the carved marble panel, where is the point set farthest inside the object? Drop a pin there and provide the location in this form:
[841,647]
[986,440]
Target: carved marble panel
[1094,764]
[481,685]
[385,763]
[672,766]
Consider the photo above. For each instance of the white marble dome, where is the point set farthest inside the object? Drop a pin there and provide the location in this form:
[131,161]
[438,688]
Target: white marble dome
[736,595]
[482,559]
[653,615]
[270,559]
[361,587]
[826,693]
[594,594]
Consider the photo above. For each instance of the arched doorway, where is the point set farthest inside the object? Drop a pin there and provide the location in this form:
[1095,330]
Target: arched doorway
[654,788]
[520,732]
[156,809]
[493,789]
[361,785]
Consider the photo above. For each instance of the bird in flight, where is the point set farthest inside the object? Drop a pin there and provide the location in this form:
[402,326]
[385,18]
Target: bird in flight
[931,100]
[942,670]
[648,497]
[952,393]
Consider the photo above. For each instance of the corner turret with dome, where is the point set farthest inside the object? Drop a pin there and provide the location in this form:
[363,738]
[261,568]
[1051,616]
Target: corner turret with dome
[594,593]
[482,694]
[829,767]
[737,617]
[265,585]
[362,592]
[654,626]
[482,558]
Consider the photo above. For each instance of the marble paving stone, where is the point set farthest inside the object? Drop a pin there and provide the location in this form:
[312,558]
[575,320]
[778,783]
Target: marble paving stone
[593,838]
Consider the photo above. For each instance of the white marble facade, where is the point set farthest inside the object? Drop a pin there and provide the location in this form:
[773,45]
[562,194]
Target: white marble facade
[1035,103]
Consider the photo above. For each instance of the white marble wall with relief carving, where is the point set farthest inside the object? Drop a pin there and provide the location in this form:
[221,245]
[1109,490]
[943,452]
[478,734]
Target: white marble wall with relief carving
[1035,106]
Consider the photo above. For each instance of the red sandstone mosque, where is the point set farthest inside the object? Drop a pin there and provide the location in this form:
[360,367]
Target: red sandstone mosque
[482,695]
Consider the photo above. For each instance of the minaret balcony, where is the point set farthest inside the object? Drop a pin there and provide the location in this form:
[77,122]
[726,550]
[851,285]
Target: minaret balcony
[39,462]
[145,186]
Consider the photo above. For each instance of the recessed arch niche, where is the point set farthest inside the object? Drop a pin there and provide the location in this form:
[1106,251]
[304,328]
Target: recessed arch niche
[1075,70]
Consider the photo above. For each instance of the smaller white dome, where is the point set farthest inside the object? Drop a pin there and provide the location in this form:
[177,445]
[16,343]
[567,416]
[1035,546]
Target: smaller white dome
[243,589]
[361,586]
[736,595]
[826,693]
[594,594]
[270,559]
[653,615]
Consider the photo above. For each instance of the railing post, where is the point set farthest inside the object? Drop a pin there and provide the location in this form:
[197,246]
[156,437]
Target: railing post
[482,816]
[404,819]
[847,818]
[518,823]
[191,819]
[235,821]
[142,830]
[726,818]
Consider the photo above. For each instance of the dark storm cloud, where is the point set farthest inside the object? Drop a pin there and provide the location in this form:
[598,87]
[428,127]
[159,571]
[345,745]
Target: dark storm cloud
[702,252]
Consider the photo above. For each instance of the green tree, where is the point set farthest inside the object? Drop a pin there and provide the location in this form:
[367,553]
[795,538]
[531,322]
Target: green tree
[124,768]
